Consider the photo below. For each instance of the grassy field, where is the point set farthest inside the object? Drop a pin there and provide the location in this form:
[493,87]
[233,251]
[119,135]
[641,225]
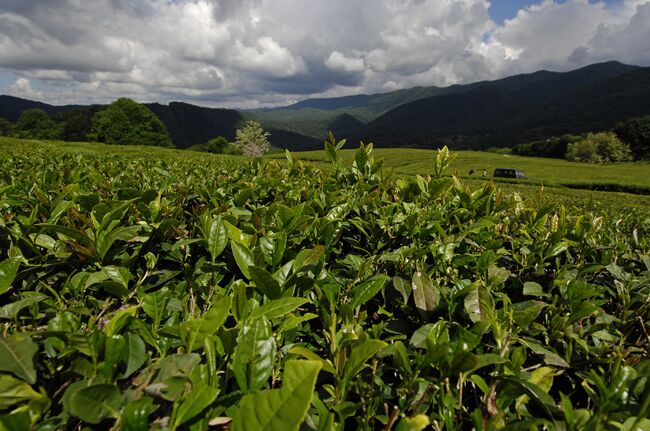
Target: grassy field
[550,173]
[542,170]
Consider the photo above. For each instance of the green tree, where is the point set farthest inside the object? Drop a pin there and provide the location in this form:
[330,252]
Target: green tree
[36,124]
[252,139]
[603,147]
[218,145]
[125,122]
[636,133]
[76,124]
[6,127]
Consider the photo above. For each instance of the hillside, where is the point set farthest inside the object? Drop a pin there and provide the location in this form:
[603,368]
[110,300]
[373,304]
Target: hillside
[11,107]
[313,116]
[517,109]
[502,112]
[187,124]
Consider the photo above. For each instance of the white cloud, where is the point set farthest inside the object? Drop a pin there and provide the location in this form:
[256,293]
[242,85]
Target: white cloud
[269,58]
[338,61]
[247,52]
[22,87]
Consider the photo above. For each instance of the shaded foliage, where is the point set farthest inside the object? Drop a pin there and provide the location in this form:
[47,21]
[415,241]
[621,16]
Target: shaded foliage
[36,124]
[603,147]
[125,122]
[218,145]
[76,124]
[636,133]
[6,127]
[555,148]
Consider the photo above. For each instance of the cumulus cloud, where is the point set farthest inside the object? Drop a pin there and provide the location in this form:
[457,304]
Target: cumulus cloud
[338,61]
[252,52]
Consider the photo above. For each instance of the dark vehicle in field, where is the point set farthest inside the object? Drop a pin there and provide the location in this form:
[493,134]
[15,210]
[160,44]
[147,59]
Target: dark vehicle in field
[508,173]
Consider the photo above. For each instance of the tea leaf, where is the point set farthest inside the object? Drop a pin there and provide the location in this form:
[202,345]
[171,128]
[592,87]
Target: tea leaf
[280,409]
[8,271]
[17,356]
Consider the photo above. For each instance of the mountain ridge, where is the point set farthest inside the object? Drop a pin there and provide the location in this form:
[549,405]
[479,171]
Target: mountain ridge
[500,112]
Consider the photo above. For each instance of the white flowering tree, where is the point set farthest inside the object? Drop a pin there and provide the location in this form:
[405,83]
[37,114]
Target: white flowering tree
[252,139]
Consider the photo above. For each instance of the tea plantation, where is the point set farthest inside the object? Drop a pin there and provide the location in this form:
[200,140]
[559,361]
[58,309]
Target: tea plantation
[146,289]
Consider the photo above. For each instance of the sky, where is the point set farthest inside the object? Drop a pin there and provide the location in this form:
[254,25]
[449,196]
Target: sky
[256,53]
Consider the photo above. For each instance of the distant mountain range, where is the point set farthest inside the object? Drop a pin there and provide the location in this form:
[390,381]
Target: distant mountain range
[503,112]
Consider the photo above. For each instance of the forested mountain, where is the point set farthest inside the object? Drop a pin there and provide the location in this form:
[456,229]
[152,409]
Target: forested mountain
[503,112]
[187,124]
[517,109]
[11,107]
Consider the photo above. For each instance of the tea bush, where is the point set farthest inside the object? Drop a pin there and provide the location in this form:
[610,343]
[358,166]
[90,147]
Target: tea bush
[191,292]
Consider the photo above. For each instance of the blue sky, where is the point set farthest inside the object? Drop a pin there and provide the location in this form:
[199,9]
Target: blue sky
[501,10]
[251,53]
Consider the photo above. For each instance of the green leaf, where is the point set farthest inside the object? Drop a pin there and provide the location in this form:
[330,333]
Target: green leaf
[8,271]
[216,237]
[273,248]
[196,401]
[358,358]
[236,235]
[550,357]
[12,309]
[195,331]
[309,257]
[264,282]
[78,236]
[426,296]
[278,307]
[134,354]
[59,211]
[308,354]
[403,287]
[281,409]
[532,288]
[119,275]
[479,305]
[368,289]
[14,391]
[96,402]
[360,158]
[155,305]
[416,423]
[15,421]
[136,415]
[524,313]
[243,257]
[252,360]
[556,249]
[330,152]
[17,356]
[119,320]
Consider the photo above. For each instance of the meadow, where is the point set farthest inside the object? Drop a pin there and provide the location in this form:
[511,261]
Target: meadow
[143,288]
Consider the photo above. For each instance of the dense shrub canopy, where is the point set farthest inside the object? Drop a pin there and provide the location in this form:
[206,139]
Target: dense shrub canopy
[636,133]
[76,124]
[218,145]
[36,124]
[602,147]
[125,122]
[552,148]
[6,127]
[177,291]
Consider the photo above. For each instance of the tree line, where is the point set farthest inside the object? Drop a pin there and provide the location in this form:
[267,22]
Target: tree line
[124,122]
[628,140]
